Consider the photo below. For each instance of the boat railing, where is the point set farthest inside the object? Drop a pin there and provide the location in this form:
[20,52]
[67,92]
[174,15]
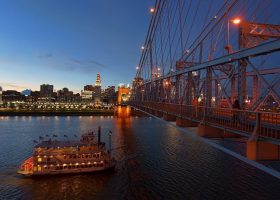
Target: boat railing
[68,153]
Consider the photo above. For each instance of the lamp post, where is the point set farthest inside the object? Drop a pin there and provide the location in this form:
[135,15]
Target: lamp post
[158,72]
[235,21]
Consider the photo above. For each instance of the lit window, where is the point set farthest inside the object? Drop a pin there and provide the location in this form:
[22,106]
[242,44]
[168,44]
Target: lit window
[39,159]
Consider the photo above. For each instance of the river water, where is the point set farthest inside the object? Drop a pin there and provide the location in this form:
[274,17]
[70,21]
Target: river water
[164,163]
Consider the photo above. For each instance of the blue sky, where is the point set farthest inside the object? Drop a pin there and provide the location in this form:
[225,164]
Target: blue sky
[67,42]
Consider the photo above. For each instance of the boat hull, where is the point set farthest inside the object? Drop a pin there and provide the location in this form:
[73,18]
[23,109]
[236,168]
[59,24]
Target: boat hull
[65,172]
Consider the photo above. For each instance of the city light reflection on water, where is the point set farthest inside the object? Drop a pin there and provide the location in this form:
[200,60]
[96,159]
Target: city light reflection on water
[4,118]
[165,163]
[123,111]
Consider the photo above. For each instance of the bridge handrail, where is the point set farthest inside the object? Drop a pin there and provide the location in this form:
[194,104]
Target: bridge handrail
[253,124]
[225,109]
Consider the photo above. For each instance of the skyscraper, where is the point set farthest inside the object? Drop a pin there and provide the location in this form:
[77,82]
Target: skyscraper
[97,90]
[109,95]
[98,80]
[46,90]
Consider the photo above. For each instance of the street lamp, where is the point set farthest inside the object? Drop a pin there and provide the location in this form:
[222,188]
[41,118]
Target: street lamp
[142,47]
[235,21]
[152,10]
[158,72]
[166,83]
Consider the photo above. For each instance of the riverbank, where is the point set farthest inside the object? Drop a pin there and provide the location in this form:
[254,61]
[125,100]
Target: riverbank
[99,112]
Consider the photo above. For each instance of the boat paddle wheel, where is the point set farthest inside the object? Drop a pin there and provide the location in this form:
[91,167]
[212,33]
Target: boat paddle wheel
[27,166]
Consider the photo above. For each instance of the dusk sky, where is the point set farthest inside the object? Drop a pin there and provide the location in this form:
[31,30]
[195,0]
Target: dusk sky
[67,42]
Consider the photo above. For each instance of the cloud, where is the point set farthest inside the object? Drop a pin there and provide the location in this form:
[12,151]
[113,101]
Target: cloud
[45,56]
[83,66]
[80,68]
[96,63]
[87,63]
[80,62]
[13,86]
[72,64]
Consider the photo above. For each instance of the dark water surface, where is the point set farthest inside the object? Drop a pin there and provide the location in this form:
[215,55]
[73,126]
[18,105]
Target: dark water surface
[169,164]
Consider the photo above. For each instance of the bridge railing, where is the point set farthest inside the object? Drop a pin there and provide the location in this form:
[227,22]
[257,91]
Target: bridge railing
[265,124]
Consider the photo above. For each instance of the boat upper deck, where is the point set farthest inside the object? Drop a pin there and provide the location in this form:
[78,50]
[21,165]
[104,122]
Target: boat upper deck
[65,144]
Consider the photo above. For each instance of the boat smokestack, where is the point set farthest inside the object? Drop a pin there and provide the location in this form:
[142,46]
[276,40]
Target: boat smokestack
[99,134]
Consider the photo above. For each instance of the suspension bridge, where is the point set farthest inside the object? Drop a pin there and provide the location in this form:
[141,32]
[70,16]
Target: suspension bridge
[214,65]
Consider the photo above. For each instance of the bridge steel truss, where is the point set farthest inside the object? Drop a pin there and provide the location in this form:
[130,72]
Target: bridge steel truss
[200,80]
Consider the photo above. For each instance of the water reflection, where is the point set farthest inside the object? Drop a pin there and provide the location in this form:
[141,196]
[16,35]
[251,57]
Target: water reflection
[123,111]
[168,163]
[68,187]
[4,118]
[124,135]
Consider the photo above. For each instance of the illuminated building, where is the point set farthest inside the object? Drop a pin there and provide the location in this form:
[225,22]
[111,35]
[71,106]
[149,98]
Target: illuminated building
[12,95]
[65,95]
[97,90]
[87,95]
[98,80]
[34,96]
[97,94]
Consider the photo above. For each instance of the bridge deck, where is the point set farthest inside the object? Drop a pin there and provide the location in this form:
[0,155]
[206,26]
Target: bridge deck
[265,125]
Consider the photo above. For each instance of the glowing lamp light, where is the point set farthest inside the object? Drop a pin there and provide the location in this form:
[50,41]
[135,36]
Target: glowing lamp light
[142,47]
[152,10]
[236,21]
[137,68]
[194,73]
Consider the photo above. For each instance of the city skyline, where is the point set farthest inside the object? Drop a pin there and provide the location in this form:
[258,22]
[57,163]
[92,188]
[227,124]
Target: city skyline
[56,89]
[66,47]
